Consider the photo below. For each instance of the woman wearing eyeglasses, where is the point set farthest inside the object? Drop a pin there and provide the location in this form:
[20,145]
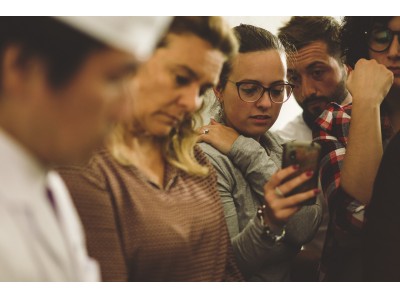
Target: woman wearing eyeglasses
[353,139]
[267,228]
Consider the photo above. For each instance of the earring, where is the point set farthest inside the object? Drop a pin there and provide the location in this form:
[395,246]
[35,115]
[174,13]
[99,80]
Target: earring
[221,113]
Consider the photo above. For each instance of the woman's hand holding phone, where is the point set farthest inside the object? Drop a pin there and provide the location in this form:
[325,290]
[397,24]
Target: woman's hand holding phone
[279,206]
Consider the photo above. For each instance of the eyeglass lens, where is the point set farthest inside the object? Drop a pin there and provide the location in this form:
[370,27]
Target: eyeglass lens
[380,39]
[251,92]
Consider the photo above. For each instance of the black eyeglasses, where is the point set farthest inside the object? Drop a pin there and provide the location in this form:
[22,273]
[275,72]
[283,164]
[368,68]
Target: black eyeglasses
[380,39]
[253,91]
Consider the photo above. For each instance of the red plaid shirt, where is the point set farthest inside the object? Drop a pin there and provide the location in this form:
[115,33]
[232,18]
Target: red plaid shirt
[345,212]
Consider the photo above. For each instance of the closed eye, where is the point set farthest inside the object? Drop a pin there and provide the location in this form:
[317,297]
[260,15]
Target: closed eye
[277,91]
[182,80]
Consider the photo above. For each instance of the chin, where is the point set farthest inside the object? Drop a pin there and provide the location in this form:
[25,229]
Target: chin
[255,134]
[161,132]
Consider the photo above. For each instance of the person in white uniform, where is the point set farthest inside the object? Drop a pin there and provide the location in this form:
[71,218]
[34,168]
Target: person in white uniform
[319,76]
[62,86]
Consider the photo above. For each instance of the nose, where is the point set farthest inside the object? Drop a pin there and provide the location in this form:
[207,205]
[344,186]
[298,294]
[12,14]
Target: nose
[190,99]
[307,87]
[264,102]
[394,49]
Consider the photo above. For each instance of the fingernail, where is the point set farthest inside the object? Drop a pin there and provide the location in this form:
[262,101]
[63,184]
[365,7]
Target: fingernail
[317,191]
[296,167]
[309,173]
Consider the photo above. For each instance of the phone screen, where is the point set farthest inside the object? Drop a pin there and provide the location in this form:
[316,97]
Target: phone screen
[307,156]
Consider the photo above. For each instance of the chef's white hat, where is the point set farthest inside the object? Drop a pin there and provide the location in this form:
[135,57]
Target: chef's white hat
[134,34]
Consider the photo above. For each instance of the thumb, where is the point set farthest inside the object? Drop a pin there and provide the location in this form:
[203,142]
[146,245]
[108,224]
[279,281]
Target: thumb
[213,122]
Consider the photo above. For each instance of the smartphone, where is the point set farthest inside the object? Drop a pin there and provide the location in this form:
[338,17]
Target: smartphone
[307,156]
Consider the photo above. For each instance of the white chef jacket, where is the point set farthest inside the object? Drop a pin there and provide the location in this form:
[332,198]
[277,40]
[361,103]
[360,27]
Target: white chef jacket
[38,243]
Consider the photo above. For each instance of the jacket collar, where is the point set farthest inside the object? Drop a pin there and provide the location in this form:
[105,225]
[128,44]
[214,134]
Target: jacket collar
[21,176]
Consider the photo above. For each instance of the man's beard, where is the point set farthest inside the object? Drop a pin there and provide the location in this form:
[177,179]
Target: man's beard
[337,96]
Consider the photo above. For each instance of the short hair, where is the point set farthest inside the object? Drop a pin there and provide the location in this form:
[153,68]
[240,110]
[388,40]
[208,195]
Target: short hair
[299,32]
[353,37]
[61,48]
[251,39]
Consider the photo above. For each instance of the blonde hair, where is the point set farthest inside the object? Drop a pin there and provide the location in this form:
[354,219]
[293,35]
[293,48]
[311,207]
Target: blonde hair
[178,146]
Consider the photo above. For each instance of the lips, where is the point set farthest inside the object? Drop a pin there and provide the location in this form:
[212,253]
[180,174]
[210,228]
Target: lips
[260,117]
[316,103]
[172,119]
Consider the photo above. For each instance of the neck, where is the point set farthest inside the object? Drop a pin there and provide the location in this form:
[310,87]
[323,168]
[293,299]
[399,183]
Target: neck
[22,133]
[347,100]
[146,154]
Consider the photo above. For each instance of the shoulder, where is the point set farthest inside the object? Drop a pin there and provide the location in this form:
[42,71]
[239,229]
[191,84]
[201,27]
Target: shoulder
[334,115]
[220,163]
[94,171]
[334,123]
[216,157]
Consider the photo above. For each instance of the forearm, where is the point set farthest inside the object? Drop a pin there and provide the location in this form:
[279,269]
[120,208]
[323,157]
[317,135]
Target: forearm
[369,84]
[363,153]
[302,226]
[253,251]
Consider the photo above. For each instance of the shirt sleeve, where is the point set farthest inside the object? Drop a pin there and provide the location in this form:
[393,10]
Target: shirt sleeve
[257,167]
[253,251]
[331,132]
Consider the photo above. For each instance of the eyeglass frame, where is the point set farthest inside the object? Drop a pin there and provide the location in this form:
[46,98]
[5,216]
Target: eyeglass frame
[368,36]
[265,89]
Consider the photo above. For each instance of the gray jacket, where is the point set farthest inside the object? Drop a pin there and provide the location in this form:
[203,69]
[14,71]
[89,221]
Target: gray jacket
[242,175]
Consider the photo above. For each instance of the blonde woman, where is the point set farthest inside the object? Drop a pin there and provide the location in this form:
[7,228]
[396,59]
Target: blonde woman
[148,200]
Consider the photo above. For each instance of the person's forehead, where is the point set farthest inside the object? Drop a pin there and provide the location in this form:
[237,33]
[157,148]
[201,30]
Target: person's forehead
[253,64]
[312,53]
[196,54]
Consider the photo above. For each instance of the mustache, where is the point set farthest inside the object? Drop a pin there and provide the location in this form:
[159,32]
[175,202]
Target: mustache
[308,100]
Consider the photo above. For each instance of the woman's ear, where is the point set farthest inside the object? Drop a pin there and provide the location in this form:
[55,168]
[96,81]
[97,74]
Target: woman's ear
[348,69]
[218,92]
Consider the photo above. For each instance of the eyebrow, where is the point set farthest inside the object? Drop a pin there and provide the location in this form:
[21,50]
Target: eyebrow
[195,76]
[315,64]
[256,81]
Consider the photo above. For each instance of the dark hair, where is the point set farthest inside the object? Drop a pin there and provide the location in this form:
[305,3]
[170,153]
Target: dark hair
[354,38]
[251,39]
[61,48]
[302,31]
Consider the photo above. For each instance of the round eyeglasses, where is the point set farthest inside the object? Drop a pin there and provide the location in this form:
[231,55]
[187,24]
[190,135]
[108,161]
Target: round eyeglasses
[253,91]
[380,39]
